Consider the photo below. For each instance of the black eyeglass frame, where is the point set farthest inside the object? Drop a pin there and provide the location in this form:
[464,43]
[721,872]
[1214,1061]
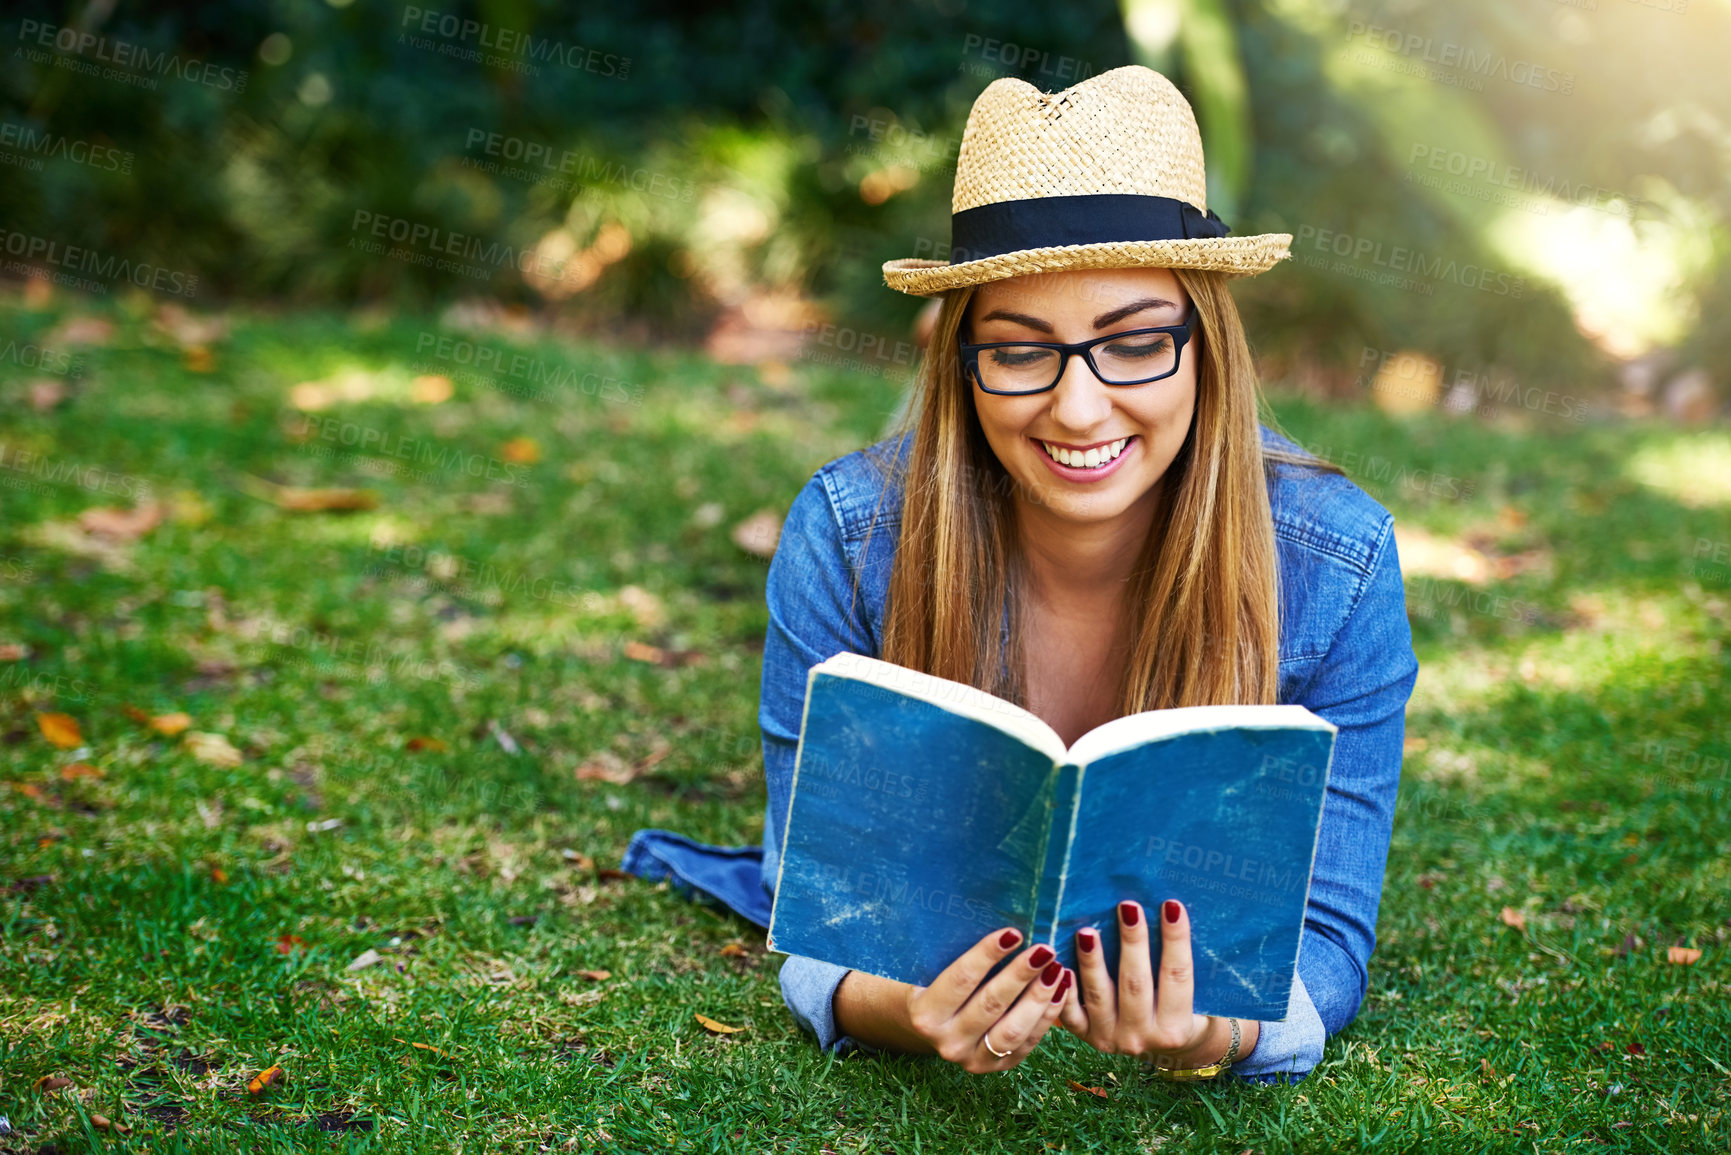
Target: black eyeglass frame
[970,356]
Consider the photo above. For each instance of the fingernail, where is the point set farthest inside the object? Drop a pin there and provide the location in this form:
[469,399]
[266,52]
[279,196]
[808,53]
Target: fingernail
[1063,989]
[1052,971]
[1170,908]
[1041,956]
[1087,939]
[1009,939]
[1130,913]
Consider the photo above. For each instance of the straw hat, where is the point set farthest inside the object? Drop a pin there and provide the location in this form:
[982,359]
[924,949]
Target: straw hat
[1106,174]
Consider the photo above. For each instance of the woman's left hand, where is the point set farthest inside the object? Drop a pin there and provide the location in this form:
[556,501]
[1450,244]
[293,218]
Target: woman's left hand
[1132,1017]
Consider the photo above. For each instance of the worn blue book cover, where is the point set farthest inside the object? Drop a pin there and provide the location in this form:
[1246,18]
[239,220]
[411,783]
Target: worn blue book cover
[926,812]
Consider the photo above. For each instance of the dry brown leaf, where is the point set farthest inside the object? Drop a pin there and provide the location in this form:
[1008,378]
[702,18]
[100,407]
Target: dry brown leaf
[198,358]
[219,876]
[1514,918]
[719,1028]
[297,500]
[213,749]
[595,976]
[758,533]
[734,950]
[422,1046]
[103,1123]
[13,652]
[1682,956]
[82,331]
[170,724]
[28,789]
[644,652]
[121,524]
[433,745]
[80,770]
[136,714]
[289,943]
[644,606]
[431,389]
[265,1078]
[46,393]
[605,766]
[521,451]
[52,1083]
[60,729]
[1075,1086]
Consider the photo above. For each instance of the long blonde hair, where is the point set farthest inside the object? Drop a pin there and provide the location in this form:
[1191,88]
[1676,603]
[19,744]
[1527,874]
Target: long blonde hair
[1203,620]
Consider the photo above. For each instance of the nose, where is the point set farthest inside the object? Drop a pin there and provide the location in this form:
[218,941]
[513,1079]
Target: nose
[1080,400]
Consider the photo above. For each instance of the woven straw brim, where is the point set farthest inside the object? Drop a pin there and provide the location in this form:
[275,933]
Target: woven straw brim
[1234,256]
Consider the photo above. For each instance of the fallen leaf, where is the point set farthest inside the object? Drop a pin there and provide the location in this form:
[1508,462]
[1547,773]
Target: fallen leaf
[734,950]
[431,389]
[52,1083]
[1635,1049]
[1075,1086]
[265,1078]
[366,959]
[422,1046]
[170,724]
[644,606]
[60,729]
[1605,1047]
[605,766]
[298,500]
[212,749]
[644,652]
[1486,1070]
[1682,955]
[198,358]
[86,770]
[595,976]
[758,533]
[28,789]
[82,331]
[289,943]
[580,861]
[121,524]
[13,652]
[718,1027]
[433,745]
[46,393]
[613,874]
[136,714]
[102,1123]
[1514,918]
[521,451]
[219,876]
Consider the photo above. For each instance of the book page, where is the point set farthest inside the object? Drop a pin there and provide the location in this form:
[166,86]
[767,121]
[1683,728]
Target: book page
[1135,729]
[956,697]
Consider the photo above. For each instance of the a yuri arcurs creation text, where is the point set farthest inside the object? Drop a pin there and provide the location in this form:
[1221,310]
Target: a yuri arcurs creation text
[925,812]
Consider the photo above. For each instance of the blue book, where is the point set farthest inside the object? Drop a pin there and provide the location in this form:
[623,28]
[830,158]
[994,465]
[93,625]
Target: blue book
[926,813]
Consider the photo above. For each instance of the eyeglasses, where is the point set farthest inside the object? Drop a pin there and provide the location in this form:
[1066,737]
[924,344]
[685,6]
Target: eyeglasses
[1134,357]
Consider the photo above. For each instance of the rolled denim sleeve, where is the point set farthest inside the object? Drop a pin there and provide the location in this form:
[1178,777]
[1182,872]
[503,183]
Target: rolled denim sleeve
[1292,1046]
[1362,686]
[812,617]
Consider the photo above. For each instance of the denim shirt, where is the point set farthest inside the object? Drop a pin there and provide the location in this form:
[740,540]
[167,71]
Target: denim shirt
[1345,653]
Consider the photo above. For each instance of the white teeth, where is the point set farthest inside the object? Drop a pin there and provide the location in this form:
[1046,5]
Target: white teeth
[1092,459]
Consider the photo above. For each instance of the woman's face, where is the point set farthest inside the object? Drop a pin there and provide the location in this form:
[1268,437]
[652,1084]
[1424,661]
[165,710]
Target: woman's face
[1082,412]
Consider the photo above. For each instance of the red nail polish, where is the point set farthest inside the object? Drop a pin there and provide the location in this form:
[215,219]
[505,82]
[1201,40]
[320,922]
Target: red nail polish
[1171,910]
[1041,956]
[1063,989]
[1130,913]
[1052,971]
[1009,939]
[1087,939]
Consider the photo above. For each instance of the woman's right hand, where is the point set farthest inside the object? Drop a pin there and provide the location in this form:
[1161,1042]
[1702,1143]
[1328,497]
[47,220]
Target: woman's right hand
[957,1014]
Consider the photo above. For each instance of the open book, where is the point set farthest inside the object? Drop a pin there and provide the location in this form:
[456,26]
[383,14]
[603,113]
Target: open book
[926,813]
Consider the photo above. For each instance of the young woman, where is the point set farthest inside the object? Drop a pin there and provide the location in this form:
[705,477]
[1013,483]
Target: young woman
[1081,514]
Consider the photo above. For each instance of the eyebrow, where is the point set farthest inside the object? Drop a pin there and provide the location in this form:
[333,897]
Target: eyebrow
[1100,322]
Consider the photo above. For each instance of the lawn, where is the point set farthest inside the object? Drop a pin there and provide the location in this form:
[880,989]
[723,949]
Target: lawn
[377,851]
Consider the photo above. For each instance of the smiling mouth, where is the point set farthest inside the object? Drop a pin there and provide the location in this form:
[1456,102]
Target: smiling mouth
[1095,458]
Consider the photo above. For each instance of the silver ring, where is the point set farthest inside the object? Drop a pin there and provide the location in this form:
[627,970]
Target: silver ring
[987,1039]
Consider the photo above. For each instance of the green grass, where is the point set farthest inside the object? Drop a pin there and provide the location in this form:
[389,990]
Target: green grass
[1568,755]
